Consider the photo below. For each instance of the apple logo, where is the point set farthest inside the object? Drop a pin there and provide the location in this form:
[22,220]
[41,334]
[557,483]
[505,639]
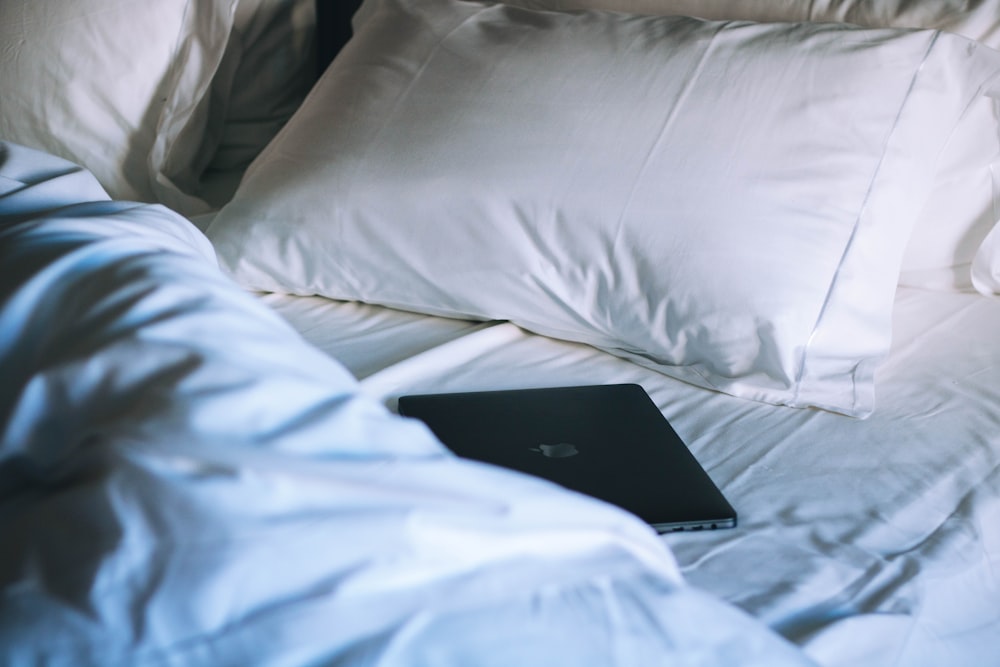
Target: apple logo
[560,450]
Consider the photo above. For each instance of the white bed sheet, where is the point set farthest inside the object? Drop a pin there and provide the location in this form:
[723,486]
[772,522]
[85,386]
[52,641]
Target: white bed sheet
[868,542]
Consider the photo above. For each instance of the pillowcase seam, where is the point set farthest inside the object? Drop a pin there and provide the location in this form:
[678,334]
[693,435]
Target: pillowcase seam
[834,283]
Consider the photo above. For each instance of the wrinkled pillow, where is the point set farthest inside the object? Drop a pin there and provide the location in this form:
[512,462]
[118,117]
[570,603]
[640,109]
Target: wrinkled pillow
[964,202]
[119,87]
[727,203]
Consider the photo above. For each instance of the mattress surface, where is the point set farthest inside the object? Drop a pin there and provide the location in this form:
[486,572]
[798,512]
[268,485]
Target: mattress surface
[868,542]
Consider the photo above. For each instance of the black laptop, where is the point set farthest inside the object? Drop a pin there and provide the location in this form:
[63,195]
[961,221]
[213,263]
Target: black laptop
[607,441]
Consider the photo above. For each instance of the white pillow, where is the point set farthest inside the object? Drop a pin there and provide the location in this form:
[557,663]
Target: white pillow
[978,20]
[725,202]
[986,266]
[120,87]
[963,203]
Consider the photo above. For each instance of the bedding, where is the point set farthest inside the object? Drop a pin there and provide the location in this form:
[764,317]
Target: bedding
[185,481]
[120,87]
[868,543]
[195,473]
[986,266]
[760,259]
[265,73]
[151,95]
[964,203]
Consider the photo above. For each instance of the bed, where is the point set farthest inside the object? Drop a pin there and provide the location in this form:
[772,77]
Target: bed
[234,232]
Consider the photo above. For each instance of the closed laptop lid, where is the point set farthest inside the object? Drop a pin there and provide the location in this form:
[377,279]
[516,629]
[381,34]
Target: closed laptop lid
[608,441]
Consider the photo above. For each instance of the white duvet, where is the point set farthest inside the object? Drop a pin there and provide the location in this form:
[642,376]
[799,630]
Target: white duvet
[184,481]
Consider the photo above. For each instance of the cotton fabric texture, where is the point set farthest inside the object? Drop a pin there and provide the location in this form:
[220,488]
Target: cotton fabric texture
[121,87]
[964,201]
[186,481]
[728,203]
